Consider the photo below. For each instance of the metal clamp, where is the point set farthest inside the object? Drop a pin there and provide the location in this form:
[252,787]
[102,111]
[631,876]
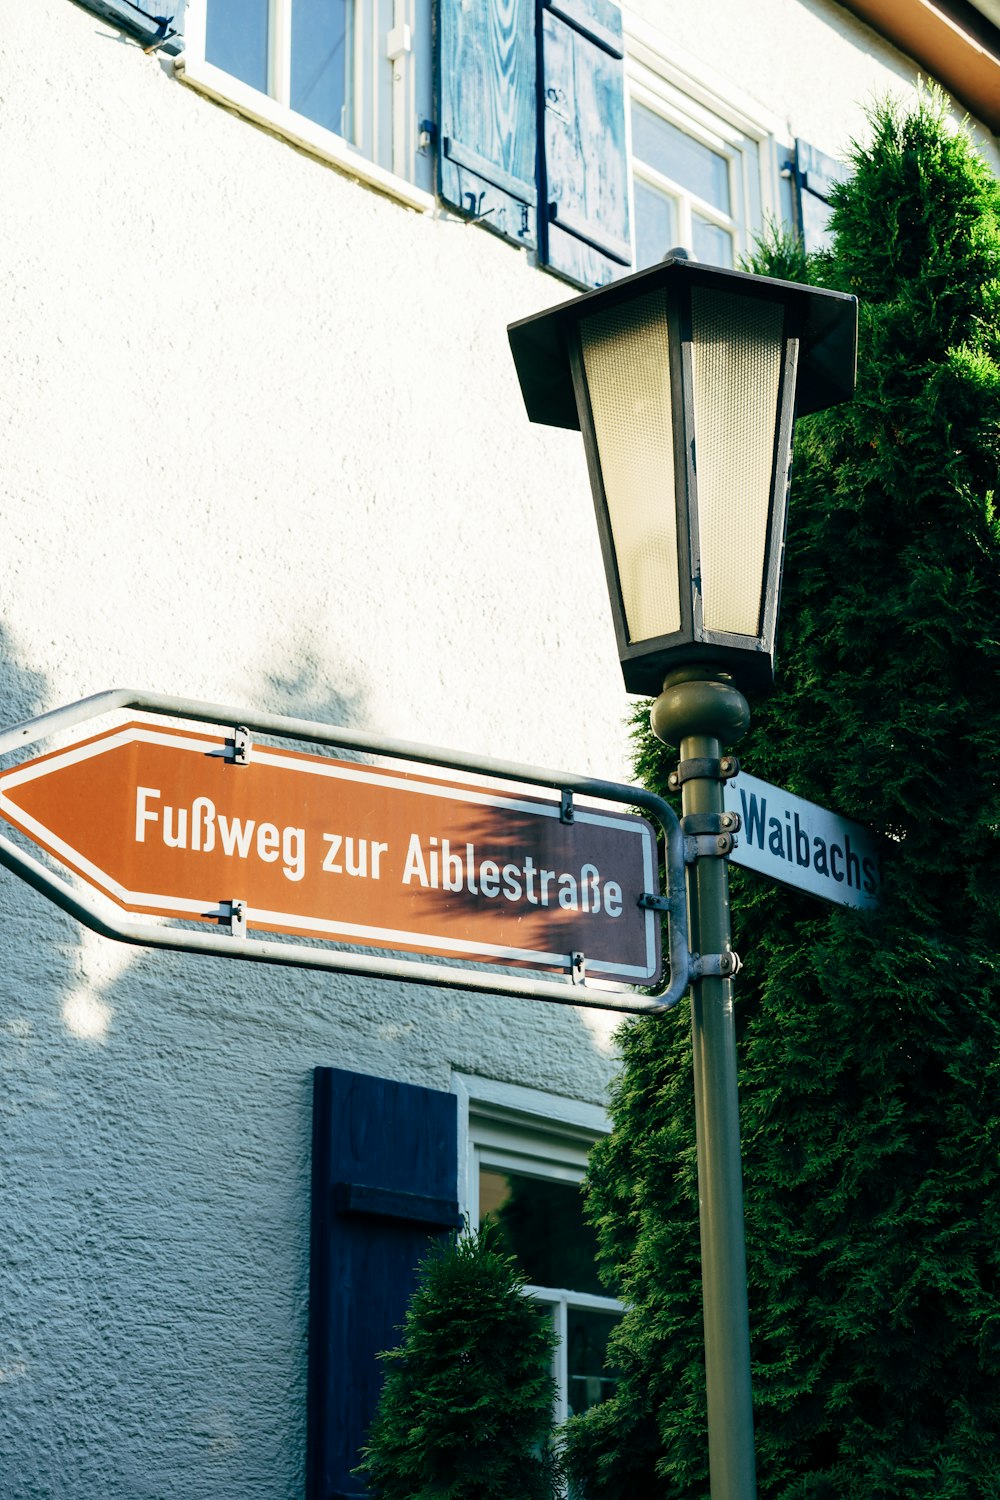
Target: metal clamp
[649,902]
[703,768]
[566,813]
[714,965]
[708,846]
[238,919]
[242,745]
[724,822]
[578,968]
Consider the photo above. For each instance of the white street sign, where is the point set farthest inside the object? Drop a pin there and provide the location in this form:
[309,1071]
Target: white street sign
[802,844]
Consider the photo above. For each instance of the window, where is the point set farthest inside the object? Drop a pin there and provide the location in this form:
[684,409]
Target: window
[523,1170]
[698,174]
[685,193]
[350,80]
[708,167]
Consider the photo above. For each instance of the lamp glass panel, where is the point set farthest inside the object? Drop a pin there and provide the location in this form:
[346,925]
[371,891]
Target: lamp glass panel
[737,345]
[626,357]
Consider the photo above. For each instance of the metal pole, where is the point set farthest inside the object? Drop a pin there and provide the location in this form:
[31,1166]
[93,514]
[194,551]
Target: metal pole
[700,711]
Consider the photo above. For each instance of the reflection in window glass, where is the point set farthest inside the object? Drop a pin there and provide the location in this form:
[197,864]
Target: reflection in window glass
[236,39]
[544,1228]
[656,229]
[321,51]
[590,1379]
[680,157]
[711,244]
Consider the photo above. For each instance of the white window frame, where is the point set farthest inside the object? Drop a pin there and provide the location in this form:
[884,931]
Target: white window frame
[516,1129]
[707,108]
[386,112]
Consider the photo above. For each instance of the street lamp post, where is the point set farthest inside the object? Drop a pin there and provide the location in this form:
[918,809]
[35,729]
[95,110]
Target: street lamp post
[685,381]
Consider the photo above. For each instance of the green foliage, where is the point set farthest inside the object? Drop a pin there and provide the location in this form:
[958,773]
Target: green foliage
[869,1044]
[466,1409]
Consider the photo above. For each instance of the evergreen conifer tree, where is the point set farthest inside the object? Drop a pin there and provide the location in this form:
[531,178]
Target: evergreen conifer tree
[869,1043]
[466,1409]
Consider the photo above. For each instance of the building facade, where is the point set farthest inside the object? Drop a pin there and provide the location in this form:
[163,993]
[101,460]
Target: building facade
[263,445]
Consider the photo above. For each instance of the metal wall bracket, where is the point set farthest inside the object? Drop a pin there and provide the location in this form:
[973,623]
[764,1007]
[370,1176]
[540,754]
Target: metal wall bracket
[566,813]
[238,918]
[242,745]
[702,768]
[578,968]
[708,846]
[715,965]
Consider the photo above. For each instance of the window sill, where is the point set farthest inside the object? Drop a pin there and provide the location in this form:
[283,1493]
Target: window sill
[321,143]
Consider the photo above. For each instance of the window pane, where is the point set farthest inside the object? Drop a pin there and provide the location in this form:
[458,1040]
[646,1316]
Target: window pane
[711,244]
[543,1225]
[590,1379]
[321,52]
[680,157]
[236,39]
[655,224]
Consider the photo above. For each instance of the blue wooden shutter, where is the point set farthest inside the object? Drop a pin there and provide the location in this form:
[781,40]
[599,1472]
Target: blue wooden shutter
[487,133]
[815,175]
[157,24]
[585,234]
[384,1185]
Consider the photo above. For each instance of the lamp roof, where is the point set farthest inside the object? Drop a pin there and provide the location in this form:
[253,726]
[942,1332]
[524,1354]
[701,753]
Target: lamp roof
[828,336]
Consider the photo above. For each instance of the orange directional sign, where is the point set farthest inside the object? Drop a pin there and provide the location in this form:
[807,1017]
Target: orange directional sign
[168,821]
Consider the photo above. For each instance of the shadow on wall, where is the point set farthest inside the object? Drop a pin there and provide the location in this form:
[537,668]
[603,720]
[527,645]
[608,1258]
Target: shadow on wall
[22,692]
[155,1119]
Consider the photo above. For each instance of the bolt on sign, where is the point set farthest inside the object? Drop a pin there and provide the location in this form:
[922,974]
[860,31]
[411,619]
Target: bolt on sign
[176,823]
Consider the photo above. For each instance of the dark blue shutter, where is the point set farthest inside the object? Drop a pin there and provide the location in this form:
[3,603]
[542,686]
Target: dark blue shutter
[487,131]
[585,234]
[157,24]
[384,1184]
[815,176]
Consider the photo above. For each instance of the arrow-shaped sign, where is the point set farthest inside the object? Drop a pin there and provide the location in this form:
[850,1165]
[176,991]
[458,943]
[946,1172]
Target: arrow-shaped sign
[171,822]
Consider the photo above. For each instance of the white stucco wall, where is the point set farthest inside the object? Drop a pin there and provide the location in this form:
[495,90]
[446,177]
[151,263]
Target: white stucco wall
[261,443]
[810,65]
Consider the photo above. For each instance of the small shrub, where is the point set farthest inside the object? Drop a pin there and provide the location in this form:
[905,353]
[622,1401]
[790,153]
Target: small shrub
[466,1409]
